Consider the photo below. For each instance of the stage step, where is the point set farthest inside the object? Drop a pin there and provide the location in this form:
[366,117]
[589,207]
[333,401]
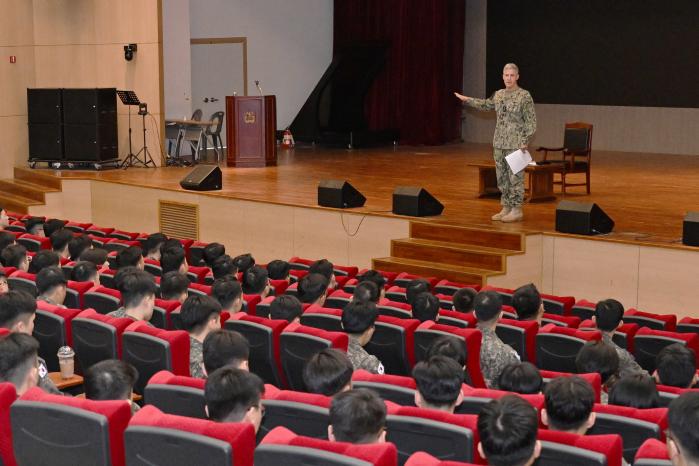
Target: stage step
[470,236]
[28,188]
[443,252]
[15,203]
[433,269]
[25,189]
[38,177]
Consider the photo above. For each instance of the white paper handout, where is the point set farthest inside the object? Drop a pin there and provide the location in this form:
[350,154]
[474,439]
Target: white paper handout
[518,160]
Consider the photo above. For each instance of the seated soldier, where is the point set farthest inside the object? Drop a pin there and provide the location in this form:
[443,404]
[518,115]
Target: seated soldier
[522,377]
[173,258]
[366,291]
[130,257]
[111,379]
[223,266]
[85,271]
[35,226]
[286,307]
[255,281]
[53,225]
[635,390]
[4,219]
[414,288]
[449,346]
[234,395]
[4,287]
[676,366]
[137,293]
[328,372]
[51,285]
[200,315]
[213,251]
[244,262]
[19,361]
[600,357]
[426,307]
[279,270]
[174,286]
[6,239]
[608,317]
[15,255]
[313,289]
[60,240]
[43,259]
[377,279]
[151,246]
[358,322]
[682,432]
[325,268]
[528,303]
[569,402]
[225,348]
[508,428]
[228,292]
[357,416]
[97,256]
[438,381]
[462,301]
[78,245]
[495,355]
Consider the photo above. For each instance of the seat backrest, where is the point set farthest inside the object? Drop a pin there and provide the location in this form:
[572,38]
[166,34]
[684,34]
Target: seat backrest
[153,267]
[449,288]
[475,398]
[116,244]
[162,310]
[156,438]
[520,335]
[324,318]
[198,274]
[338,300]
[304,413]
[583,309]
[649,342]
[560,305]
[557,347]
[559,448]
[397,294]
[102,299]
[60,430]
[577,138]
[425,459]
[563,321]
[688,325]
[176,394]
[97,337]
[34,243]
[594,379]
[393,342]
[52,329]
[653,452]
[8,395]
[24,281]
[75,294]
[666,322]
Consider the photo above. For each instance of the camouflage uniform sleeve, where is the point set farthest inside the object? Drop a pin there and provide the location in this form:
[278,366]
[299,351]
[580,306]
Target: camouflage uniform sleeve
[528,119]
[628,365]
[196,359]
[482,104]
[373,365]
[45,382]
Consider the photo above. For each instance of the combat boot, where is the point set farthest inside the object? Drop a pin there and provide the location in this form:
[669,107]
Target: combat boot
[515,215]
[505,210]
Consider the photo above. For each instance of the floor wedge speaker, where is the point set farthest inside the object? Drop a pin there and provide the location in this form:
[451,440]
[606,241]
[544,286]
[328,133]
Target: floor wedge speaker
[339,194]
[203,178]
[415,202]
[582,218]
[690,229]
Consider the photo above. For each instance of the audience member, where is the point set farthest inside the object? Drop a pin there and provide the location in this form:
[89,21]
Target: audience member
[279,270]
[43,259]
[4,287]
[462,301]
[174,286]
[137,293]
[523,378]
[528,303]
[635,390]
[35,226]
[366,291]
[358,322]
[600,357]
[255,281]
[19,361]
[325,268]
[313,289]
[151,246]
[438,381]
[495,355]
[4,219]
[449,346]
[85,271]
[234,395]
[286,307]
[173,259]
[608,317]
[15,255]
[6,239]
[569,402]
[676,366]
[244,262]
[51,285]
[223,266]
[130,257]
[357,416]
[52,226]
[328,372]
[426,307]
[213,251]
[97,256]
[415,287]
[377,279]
[111,379]
[225,348]
[60,239]
[228,292]
[170,243]
[682,432]
[78,245]
[200,315]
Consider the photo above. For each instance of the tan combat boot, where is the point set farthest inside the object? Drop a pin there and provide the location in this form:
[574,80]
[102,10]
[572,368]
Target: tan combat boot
[505,210]
[515,215]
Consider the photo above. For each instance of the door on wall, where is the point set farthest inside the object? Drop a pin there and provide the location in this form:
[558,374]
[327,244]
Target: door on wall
[219,68]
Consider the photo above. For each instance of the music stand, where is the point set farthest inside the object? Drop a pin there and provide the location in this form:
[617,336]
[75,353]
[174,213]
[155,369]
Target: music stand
[130,99]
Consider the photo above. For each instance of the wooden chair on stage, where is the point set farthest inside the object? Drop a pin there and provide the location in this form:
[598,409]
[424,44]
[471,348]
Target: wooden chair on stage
[576,152]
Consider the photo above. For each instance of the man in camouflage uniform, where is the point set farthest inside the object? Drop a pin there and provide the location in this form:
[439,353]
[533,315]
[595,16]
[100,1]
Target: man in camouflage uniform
[514,127]
[200,315]
[358,319]
[495,355]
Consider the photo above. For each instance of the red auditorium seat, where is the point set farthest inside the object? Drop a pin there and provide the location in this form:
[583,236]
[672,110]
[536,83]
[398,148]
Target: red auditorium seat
[108,278]
[449,288]
[322,317]
[262,308]
[475,398]
[196,253]
[396,388]
[198,288]
[102,299]
[162,310]
[156,438]
[123,235]
[8,395]
[688,325]
[338,299]
[99,231]
[77,227]
[595,380]
[668,393]
[53,329]
[457,319]
[16,227]
[652,453]
[520,335]
[560,320]
[505,293]
[559,448]
[292,289]
[666,322]
[649,342]
[623,336]
[393,343]
[557,347]
[176,394]
[560,305]
[304,413]
[116,244]
[250,302]
[404,278]
[75,294]
[445,301]
[298,343]
[296,275]
[400,309]
[34,243]
[278,286]
[97,337]
[153,267]
[397,294]
[61,430]
[428,331]
[583,309]
[424,459]
[281,446]
[198,274]
[24,281]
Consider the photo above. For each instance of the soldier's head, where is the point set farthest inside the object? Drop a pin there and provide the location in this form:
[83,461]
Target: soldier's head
[487,307]
[508,429]
[357,416]
[569,402]
[510,75]
[358,320]
[438,381]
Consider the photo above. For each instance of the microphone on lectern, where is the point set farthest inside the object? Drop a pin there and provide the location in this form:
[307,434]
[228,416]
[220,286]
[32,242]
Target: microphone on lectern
[257,84]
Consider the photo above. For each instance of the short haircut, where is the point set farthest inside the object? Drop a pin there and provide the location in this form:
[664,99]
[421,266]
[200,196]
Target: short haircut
[18,356]
[226,290]
[635,390]
[375,277]
[357,317]
[153,243]
[173,284]
[357,416]
[6,238]
[197,310]
[512,67]
[97,256]
[676,365]
[569,402]
[425,307]
[278,270]
[598,356]
[129,257]
[323,267]
[463,299]
[78,245]
[111,379]
[255,280]
[285,307]
[449,346]
[134,285]
[311,287]
[522,377]
[487,305]
[52,226]
[49,278]
[327,372]
[415,287]
[508,428]
[33,222]
[608,314]
[224,348]
[171,243]
[230,392]
[213,251]
[366,291]
[244,262]
[223,266]
[682,419]
[60,239]
[83,271]
[13,255]
[439,380]
[172,258]
[15,305]
[527,301]
[42,259]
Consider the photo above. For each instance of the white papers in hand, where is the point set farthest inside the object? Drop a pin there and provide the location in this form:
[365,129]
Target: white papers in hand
[518,160]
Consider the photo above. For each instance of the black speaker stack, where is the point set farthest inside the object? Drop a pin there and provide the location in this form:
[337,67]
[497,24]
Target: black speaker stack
[72,126]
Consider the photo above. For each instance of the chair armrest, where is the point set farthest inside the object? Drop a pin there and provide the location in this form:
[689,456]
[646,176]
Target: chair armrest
[550,149]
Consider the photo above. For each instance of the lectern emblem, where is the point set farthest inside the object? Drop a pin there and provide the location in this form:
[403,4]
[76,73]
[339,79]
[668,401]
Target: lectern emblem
[249,117]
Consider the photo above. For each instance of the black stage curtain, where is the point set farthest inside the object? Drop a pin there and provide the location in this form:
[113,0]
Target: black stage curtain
[414,91]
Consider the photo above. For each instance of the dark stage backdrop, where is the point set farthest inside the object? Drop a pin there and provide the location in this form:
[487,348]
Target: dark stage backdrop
[414,91]
[598,52]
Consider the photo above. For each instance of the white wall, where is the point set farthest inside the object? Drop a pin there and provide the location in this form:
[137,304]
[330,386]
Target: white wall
[177,58]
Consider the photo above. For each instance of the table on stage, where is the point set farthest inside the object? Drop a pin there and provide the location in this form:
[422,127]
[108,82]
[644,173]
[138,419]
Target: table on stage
[184,124]
[540,181]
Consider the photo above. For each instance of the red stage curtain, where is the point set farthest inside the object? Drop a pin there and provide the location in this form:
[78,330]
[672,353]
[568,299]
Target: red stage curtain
[425,66]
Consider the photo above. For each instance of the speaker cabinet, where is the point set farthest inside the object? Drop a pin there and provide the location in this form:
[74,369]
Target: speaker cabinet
[690,229]
[339,194]
[45,142]
[89,106]
[45,106]
[582,218]
[415,202]
[90,143]
[203,178]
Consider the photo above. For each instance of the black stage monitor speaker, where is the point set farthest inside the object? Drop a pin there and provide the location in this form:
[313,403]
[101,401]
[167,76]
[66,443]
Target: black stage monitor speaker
[45,141]
[582,218]
[203,178]
[45,106]
[690,229]
[415,201]
[339,194]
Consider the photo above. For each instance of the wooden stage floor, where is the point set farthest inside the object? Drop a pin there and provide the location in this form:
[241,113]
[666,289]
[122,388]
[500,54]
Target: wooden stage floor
[647,195]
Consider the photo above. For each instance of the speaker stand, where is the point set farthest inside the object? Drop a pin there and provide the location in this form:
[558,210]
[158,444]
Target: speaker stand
[134,160]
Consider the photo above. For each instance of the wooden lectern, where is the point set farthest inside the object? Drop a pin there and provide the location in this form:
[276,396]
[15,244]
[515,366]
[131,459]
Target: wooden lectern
[251,124]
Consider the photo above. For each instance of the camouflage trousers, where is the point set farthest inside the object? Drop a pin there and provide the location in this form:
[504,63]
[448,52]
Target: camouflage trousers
[511,186]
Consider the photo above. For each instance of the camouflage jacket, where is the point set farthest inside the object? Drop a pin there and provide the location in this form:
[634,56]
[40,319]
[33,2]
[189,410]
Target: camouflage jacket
[45,382]
[360,359]
[196,358]
[627,363]
[515,117]
[121,314]
[495,356]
